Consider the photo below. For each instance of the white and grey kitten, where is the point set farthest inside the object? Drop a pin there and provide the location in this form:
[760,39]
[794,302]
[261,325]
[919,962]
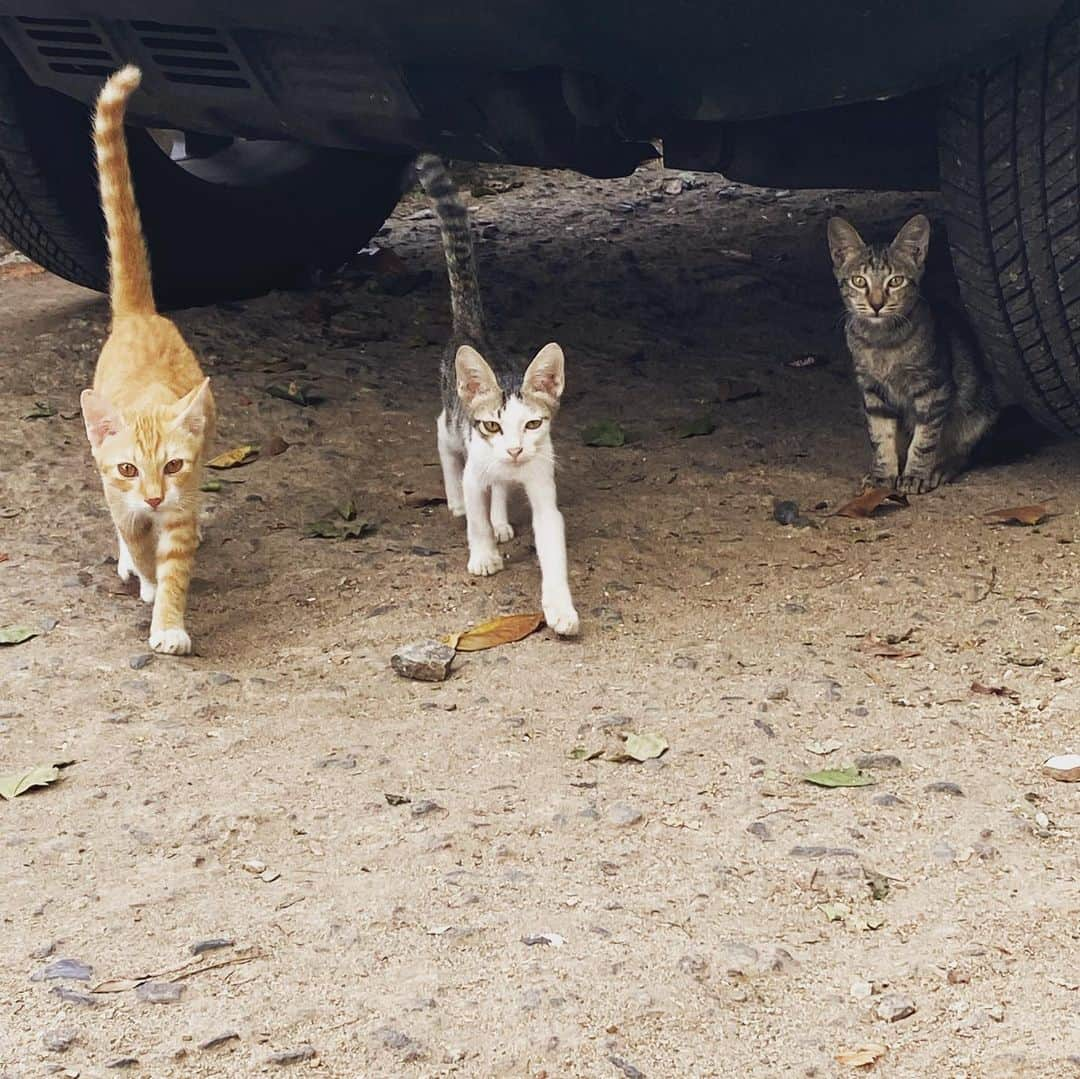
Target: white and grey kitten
[494,431]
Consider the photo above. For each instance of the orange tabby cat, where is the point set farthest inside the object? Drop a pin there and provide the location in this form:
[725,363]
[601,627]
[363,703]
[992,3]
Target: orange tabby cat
[150,415]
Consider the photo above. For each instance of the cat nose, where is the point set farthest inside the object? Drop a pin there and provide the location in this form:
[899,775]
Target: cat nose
[153,503]
[877,304]
[514,451]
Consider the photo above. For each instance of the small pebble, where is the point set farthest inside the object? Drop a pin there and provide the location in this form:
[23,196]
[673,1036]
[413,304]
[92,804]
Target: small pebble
[292,1056]
[74,996]
[860,990]
[893,1007]
[425,807]
[623,815]
[73,969]
[58,1041]
[219,1039]
[877,760]
[136,663]
[159,992]
[221,678]
[760,829]
[210,945]
[885,800]
[423,661]
[777,693]
[627,1068]
[786,512]
[122,1062]
[944,786]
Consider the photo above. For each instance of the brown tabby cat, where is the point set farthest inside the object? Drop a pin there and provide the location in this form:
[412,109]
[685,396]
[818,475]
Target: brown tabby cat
[927,397]
[150,415]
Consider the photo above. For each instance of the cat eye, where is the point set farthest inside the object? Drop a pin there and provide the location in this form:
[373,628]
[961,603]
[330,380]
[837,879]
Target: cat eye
[533,424]
[491,427]
[859,281]
[173,466]
[127,469]
[896,281]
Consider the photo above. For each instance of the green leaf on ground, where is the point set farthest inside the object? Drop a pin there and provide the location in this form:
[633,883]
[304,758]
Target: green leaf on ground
[645,747]
[16,783]
[293,392]
[211,486]
[840,777]
[603,433]
[40,411]
[701,425]
[16,634]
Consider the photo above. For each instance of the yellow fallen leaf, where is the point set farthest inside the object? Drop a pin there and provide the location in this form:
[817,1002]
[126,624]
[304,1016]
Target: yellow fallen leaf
[1022,515]
[503,630]
[239,455]
[862,1057]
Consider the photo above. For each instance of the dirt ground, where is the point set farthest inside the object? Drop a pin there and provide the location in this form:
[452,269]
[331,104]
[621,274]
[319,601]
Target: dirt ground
[709,913]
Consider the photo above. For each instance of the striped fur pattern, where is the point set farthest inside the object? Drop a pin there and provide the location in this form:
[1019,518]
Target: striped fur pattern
[494,432]
[926,394]
[150,414]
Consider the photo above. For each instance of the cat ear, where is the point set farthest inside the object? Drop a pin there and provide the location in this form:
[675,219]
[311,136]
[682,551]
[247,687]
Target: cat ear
[545,376]
[913,240]
[844,241]
[474,378]
[101,419]
[193,408]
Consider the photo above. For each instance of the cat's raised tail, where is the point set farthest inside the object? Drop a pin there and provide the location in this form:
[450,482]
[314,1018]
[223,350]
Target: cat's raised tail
[130,287]
[457,243]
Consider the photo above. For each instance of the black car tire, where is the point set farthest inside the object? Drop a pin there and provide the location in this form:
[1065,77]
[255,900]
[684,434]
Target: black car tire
[231,237]
[1010,174]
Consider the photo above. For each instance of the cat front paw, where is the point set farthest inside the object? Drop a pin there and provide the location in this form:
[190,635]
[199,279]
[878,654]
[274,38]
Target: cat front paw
[147,590]
[504,533]
[918,483]
[562,618]
[881,479]
[485,563]
[456,506]
[171,642]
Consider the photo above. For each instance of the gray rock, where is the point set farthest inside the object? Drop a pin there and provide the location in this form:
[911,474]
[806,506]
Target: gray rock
[626,1067]
[74,996]
[72,969]
[893,1007]
[400,1042]
[221,678]
[877,760]
[822,852]
[136,663]
[944,786]
[777,693]
[425,807]
[885,800]
[210,945]
[219,1039]
[292,1056]
[423,661]
[58,1041]
[122,1062]
[760,829]
[623,815]
[159,992]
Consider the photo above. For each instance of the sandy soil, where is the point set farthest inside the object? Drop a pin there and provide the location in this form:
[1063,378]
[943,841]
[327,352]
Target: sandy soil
[690,897]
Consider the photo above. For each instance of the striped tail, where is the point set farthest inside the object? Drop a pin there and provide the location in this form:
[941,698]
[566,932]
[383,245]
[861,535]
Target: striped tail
[130,288]
[457,244]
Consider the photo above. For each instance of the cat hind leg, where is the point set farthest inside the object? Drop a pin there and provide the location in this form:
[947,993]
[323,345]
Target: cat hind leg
[453,468]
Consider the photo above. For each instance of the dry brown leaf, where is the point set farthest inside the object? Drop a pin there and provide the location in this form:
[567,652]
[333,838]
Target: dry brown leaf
[11,271]
[883,649]
[276,446]
[862,1057]
[995,691]
[869,501]
[1021,515]
[238,455]
[503,630]
[4,556]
